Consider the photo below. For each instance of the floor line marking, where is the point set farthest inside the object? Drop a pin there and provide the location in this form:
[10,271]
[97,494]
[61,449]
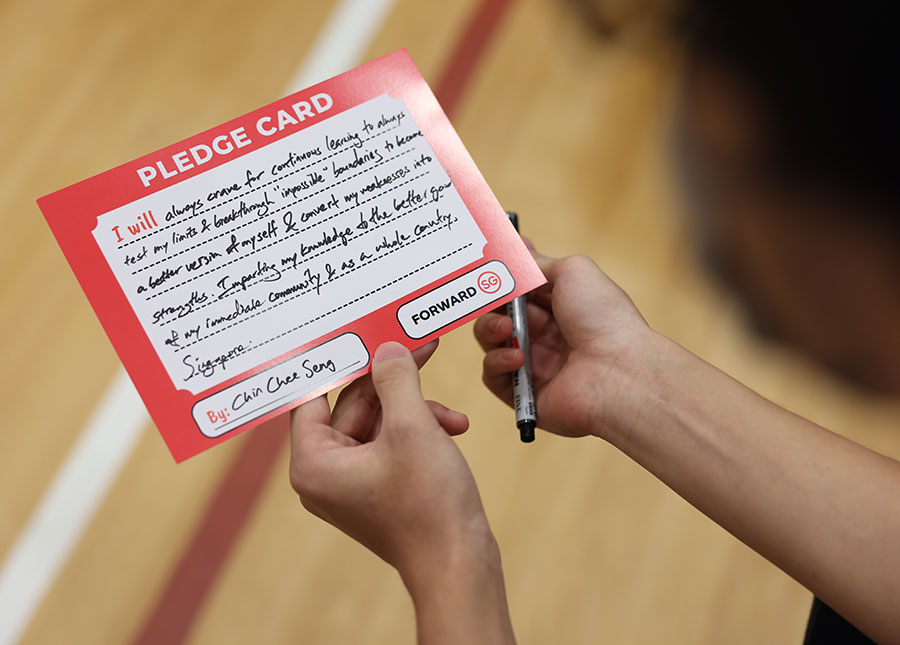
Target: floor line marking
[342,42]
[68,504]
[477,34]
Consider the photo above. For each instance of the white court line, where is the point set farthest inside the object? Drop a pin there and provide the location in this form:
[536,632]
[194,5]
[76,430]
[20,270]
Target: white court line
[78,488]
[68,505]
[342,42]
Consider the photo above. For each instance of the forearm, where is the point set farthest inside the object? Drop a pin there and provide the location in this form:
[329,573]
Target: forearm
[459,595]
[820,507]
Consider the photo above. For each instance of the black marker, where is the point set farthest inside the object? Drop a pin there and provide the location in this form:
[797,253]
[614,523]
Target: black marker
[523,393]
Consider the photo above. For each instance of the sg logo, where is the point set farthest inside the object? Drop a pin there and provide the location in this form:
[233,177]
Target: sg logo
[489,282]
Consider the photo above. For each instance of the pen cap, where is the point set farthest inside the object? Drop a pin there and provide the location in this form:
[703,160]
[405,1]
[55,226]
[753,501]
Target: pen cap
[526,430]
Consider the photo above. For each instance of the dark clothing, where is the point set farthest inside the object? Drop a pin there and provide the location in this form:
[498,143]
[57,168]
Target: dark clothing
[827,627]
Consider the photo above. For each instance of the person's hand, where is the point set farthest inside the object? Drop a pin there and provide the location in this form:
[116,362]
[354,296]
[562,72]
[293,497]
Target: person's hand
[382,467]
[582,328]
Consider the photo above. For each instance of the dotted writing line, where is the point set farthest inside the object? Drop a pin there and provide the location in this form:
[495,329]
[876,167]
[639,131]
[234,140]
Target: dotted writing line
[237,259]
[355,300]
[306,259]
[275,212]
[302,293]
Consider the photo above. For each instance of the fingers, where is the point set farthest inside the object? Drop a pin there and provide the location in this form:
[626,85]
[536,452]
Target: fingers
[492,330]
[306,420]
[311,413]
[395,376]
[359,397]
[546,264]
[423,353]
[496,369]
[453,422]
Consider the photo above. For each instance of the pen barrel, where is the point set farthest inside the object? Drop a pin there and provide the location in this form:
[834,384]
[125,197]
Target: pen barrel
[523,393]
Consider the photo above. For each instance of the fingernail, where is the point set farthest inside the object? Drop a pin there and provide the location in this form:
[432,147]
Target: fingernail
[389,350]
[460,417]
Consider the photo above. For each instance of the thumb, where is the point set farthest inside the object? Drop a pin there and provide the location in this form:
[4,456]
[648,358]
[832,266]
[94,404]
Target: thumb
[395,376]
[548,265]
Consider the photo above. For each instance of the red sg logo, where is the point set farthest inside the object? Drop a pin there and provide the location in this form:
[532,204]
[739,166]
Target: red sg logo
[489,282]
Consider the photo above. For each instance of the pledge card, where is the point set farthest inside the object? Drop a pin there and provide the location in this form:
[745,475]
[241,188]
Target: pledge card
[249,268]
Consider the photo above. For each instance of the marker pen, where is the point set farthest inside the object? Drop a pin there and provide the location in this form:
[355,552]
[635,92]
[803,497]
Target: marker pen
[523,392]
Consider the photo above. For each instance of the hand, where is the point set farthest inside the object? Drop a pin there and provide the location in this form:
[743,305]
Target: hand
[382,467]
[582,327]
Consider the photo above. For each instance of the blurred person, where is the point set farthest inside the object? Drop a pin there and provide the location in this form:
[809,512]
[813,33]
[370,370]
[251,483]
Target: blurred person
[789,143]
[791,149]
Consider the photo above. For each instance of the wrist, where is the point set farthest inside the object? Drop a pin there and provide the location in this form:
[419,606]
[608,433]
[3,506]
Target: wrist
[458,593]
[473,551]
[629,386]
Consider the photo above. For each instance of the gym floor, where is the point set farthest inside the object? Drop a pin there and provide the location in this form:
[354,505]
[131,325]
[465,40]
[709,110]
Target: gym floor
[573,130]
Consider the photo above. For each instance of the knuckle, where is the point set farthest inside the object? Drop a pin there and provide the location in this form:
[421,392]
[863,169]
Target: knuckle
[314,508]
[300,478]
[306,503]
[576,263]
[480,326]
[490,366]
[484,327]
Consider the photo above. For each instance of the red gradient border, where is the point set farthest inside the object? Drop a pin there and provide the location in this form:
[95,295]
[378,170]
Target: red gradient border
[72,215]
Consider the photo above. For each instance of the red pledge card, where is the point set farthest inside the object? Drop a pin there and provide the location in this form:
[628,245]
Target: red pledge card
[242,271]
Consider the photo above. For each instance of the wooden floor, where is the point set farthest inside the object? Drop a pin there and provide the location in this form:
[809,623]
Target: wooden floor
[571,131]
